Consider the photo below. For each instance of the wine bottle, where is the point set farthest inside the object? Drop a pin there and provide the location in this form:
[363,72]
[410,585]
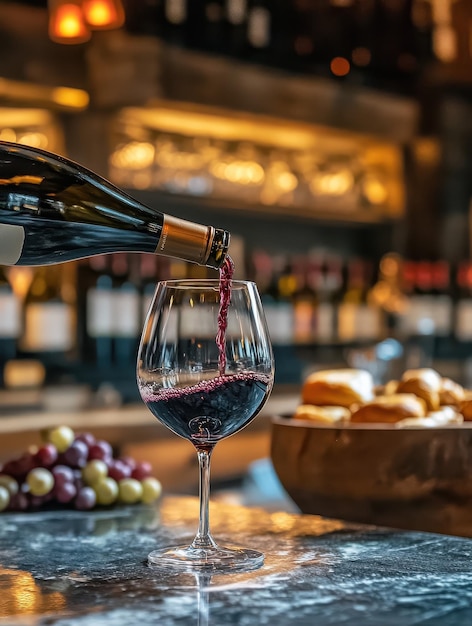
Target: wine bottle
[10,322]
[54,210]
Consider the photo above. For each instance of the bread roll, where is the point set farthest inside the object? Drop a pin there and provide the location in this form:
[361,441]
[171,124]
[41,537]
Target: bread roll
[451,393]
[323,414]
[465,406]
[390,409]
[425,383]
[446,416]
[342,387]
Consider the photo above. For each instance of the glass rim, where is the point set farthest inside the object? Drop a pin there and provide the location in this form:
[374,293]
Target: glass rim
[203,282]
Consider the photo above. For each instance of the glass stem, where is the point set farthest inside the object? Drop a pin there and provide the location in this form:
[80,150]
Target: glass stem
[203,538]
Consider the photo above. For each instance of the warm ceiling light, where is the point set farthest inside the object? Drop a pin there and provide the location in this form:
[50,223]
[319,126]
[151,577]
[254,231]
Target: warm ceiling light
[66,22]
[103,14]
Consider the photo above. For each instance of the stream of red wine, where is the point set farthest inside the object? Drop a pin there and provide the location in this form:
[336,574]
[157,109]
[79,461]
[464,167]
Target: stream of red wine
[226,277]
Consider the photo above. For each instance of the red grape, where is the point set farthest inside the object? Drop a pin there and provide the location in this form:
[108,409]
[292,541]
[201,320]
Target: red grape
[46,455]
[101,450]
[18,468]
[62,474]
[142,470]
[85,499]
[76,454]
[78,480]
[87,438]
[119,470]
[128,460]
[65,493]
[19,502]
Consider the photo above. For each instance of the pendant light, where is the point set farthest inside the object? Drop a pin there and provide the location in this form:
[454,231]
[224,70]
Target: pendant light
[103,14]
[66,22]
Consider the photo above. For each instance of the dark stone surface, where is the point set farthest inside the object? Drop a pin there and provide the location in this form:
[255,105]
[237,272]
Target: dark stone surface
[67,568]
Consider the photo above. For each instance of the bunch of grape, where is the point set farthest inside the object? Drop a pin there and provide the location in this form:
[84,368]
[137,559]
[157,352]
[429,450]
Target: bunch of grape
[77,471]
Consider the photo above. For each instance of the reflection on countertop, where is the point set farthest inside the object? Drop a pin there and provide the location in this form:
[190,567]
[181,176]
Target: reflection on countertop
[88,569]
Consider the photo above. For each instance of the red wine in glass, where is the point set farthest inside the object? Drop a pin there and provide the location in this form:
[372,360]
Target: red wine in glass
[195,412]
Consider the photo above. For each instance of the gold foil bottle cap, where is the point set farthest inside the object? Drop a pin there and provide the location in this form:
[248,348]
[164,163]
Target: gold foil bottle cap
[192,242]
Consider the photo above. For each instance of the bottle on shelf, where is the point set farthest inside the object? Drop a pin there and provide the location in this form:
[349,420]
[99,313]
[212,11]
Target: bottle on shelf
[96,312]
[307,273]
[236,25]
[329,297]
[54,210]
[126,310]
[10,322]
[263,274]
[392,290]
[359,317]
[149,275]
[49,321]
[463,313]
[174,18]
[259,30]
[214,26]
[442,299]
[283,332]
[421,311]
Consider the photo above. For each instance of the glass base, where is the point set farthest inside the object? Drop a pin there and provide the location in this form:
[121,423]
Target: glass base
[217,559]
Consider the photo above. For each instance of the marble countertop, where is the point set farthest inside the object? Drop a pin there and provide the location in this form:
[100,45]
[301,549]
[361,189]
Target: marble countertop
[67,568]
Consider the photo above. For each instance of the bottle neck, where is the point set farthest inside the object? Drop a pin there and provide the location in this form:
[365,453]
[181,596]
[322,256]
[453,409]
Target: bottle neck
[192,242]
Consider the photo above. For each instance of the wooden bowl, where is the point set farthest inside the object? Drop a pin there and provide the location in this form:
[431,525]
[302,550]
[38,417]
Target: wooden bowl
[418,479]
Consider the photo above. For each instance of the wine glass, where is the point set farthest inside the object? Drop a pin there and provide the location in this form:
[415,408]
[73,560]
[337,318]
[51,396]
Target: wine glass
[205,369]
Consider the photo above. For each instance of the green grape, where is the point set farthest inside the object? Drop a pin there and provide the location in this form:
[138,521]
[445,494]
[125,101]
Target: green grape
[4,498]
[130,490]
[61,437]
[40,481]
[152,489]
[106,490]
[94,472]
[9,483]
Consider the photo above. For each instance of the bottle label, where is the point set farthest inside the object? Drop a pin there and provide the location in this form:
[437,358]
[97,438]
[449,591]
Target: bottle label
[280,321]
[464,320]
[419,316]
[10,317]
[176,11]
[100,313]
[126,313]
[325,318]
[48,327]
[197,322]
[259,27]
[368,322]
[146,304]
[12,238]
[347,314]
[443,313]
[303,321]
[236,11]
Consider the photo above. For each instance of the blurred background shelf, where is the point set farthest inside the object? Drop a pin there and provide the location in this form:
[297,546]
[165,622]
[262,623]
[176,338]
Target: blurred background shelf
[332,138]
